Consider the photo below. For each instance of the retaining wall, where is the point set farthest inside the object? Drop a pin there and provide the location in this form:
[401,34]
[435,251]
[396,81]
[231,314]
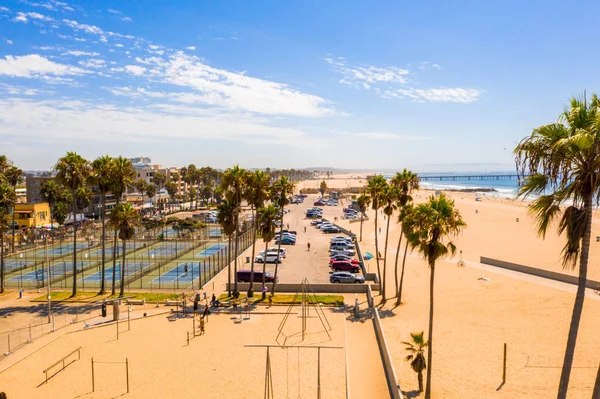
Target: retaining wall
[565,278]
[317,288]
[388,366]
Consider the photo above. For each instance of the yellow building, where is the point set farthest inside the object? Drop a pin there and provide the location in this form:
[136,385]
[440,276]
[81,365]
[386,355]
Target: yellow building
[32,215]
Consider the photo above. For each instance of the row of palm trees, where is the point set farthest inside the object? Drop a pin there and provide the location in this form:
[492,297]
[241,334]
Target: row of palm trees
[266,200]
[10,177]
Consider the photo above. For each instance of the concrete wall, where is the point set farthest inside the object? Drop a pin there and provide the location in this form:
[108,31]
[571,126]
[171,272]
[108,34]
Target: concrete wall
[317,288]
[565,278]
[388,366]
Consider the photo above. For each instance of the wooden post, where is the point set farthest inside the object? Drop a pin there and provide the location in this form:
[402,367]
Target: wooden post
[127,372]
[128,319]
[30,341]
[117,328]
[504,365]
[188,338]
[596,393]
[319,373]
[93,385]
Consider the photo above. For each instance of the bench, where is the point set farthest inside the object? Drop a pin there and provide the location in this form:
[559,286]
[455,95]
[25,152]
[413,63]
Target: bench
[223,304]
[136,301]
[173,302]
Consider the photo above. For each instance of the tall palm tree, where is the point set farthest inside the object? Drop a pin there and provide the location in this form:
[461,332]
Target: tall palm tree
[560,163]
[226,216]
[102,171]
[435,222]
[124,218]
[234,180]
[123,176]
[52,193]
[13,176]
[7,199]
[406,182]
[141,186]
[362,202]
[323,187]
[257,192]
[416,348]
[72,172]
[375,187]
[388,201]
[150,191]
[406,219]
[266,224]
[282,189]
[172,189]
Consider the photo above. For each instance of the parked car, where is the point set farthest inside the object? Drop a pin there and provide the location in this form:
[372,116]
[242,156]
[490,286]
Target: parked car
[319,203]
[331,229]
[325,224]
[272,257]
[345,267]
[343,258]
[340,245]
[350,216]
[292,236]
[341,238]
[290,232]
[282,252]
[286,241]
[243,276]
[347,252]
[316,222]
[345,277]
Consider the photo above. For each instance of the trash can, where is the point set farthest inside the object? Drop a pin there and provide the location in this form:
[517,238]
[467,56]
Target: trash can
[20,294]
[115,310]
[247,259]
[104,310]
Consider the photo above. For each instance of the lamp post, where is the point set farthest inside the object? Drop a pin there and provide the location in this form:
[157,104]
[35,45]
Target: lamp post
[47,278]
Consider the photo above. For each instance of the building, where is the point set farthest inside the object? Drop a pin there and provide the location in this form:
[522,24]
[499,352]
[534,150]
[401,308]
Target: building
[32,215]
[33,185]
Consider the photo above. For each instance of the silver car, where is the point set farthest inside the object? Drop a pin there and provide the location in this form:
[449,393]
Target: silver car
[346,277]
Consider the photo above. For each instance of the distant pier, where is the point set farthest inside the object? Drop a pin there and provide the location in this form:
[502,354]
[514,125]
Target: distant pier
[469,177]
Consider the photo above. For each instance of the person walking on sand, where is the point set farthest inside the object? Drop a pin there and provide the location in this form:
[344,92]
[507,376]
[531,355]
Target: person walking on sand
[202,325]
[206,313]
[308,245]
[305,229]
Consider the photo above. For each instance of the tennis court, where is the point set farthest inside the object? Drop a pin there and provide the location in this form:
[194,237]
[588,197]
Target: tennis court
[212,250]
[130,268]
[14,264]
[62,249]
[57,269]
[109,248]
[167,249]
[182,273]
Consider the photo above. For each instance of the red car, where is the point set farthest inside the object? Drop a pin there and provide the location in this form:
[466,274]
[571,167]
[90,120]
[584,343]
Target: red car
[342,258]
[341,266]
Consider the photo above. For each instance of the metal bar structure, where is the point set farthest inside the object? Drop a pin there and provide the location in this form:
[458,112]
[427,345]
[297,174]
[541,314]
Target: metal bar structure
[45,371]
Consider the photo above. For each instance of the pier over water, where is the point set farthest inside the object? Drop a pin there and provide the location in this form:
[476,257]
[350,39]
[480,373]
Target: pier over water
[468,177]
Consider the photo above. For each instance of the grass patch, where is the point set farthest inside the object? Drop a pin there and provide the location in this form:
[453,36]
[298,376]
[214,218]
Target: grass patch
[84,296]
[280,299]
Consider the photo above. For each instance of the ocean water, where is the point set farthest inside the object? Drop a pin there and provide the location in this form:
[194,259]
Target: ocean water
[506,188]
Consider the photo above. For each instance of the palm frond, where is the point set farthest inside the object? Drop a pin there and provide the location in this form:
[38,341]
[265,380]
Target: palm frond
[573,222]
[544,210]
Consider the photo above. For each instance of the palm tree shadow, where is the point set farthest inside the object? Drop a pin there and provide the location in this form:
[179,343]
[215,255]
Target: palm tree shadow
[383,313]
[411,394]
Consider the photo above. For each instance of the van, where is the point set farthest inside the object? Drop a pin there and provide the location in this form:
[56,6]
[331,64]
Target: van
[243,276]
[340,245]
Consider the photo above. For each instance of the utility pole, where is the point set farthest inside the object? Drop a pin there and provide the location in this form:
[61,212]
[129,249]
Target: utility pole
[47,278]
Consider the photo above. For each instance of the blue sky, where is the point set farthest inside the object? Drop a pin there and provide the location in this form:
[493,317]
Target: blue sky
[350,84]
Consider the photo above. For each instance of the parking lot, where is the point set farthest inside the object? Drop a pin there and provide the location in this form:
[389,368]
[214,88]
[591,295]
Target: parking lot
[300,262]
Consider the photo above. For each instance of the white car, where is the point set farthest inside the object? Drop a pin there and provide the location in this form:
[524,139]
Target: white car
[324,225]
[341,238]
[282,252]
[272,257]
[347,252]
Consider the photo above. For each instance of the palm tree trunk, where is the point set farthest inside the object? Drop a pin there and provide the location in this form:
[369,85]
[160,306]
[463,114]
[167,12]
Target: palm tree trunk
[430,332]
[251,289]
[1,262]
[13,228]
[361,222]
[399,300]
[387,233]
[114,266]
[235,261]
[264,264]
[74,243]
[596,393]
[278,252]
[396,262]
[578,306]
[377,251]
[122,290]
[229,266]
[420,379]
[103,270]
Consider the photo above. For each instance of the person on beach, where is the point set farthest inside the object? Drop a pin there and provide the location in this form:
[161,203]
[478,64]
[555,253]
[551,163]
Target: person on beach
[195,306]
[202,326]
[206,313]
[185,269]
[264,292]
[308,245]
[213,300]
[305,229]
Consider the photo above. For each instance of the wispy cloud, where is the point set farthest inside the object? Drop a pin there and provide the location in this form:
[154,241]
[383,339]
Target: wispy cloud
[126,19]
[113,11]
[191,48]
[135,69]
[35,66]
[93,63]
[386,136]
[78,53]
[5,9]
[366,75]
[445,95]
[8,41]
[52,5]
[84,27]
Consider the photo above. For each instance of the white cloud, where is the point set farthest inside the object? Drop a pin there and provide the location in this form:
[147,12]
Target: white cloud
[135,69]
[93,63]
[20,18]
[8,41]
[110,10]
[219,87]
[78,53]
[153,47]
[119,45]
[53,5]
[453,95]
[387,136]
[36,66]
[84,27]
[192,48]
[366,75]
[18,90]
[429,65]
[4,9]
[126,19]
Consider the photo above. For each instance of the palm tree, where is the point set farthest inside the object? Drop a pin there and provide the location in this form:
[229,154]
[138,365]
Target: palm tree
[72,172]
[416,348]
[560,163]
[257,192]
[362,202]
[282,189]
[266,225]
[405,182]
[7,199]
[141,186]
[375,187]
[102,170]
[123,176]
[406,218]
[171,188]
[434,223]
[13,176]
[234,180]
[150,191]
[322,188]
[52,193]
[388,201]
[226,216]
[124,218]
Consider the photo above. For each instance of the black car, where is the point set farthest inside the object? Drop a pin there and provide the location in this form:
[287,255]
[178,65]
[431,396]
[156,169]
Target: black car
[331,229]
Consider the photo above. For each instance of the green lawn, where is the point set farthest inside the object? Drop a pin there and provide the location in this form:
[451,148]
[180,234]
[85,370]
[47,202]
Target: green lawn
[65,296]
[279,299]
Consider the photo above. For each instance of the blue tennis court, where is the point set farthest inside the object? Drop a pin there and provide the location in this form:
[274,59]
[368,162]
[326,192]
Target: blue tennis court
[65,248]
[109,248]
[167,249]
[14,264]
[179,274]
[57,269]
[130,268]
[212,250]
